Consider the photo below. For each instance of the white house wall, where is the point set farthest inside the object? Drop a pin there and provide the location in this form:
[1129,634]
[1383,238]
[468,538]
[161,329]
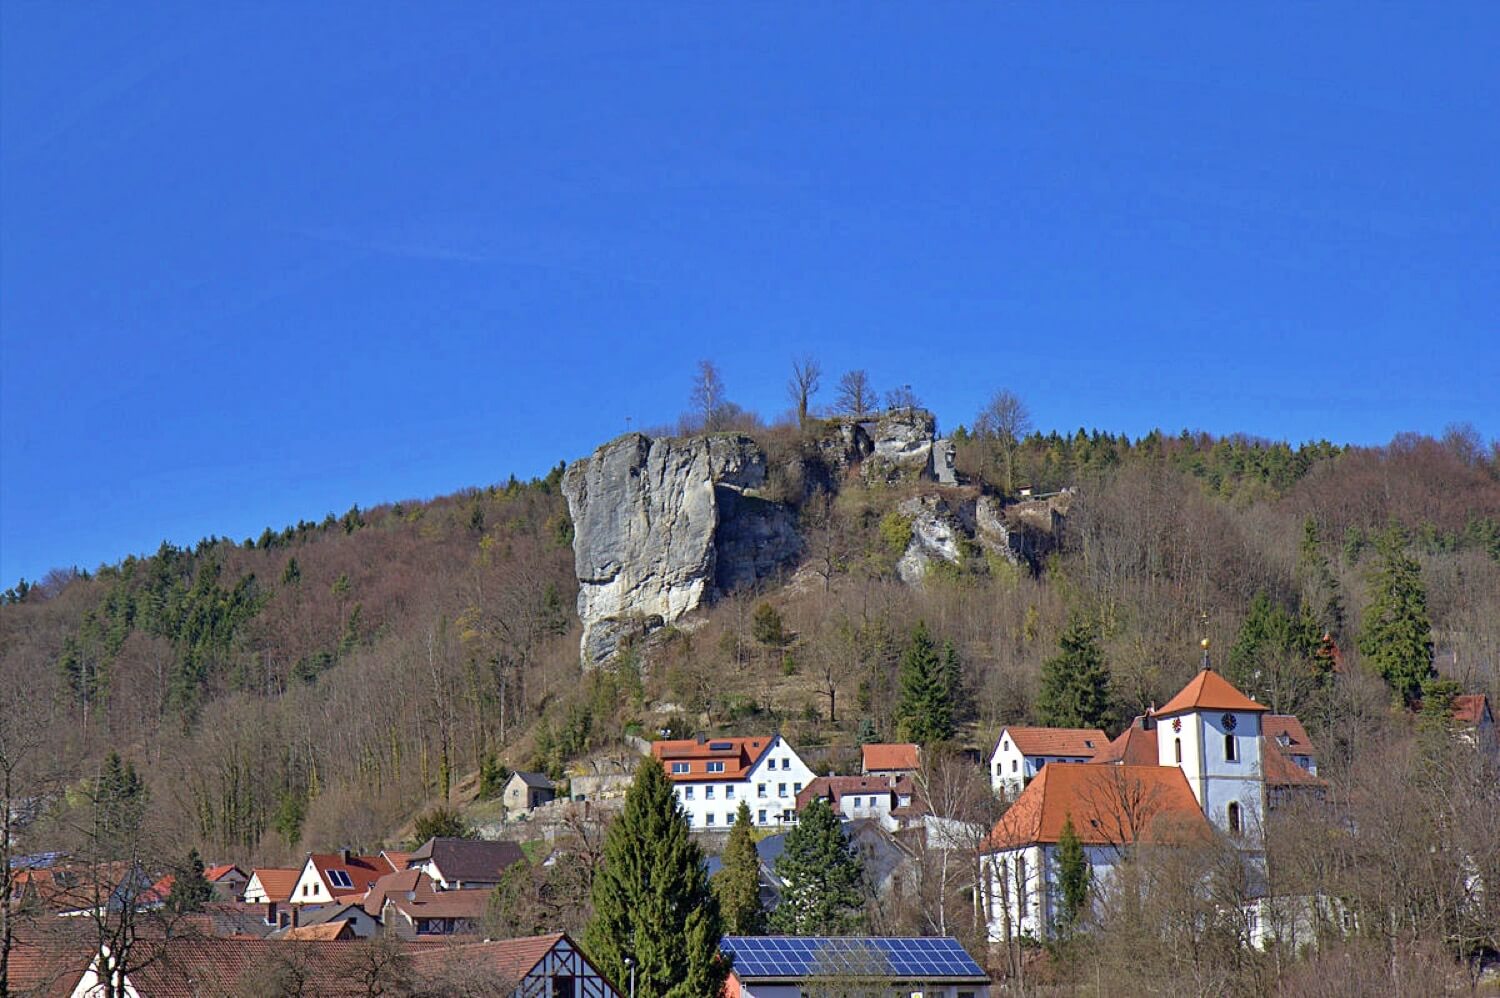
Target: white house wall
[712,805]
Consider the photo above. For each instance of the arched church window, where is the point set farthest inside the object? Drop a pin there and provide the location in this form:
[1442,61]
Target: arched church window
[1177,747]
[1233,814]
[1229,748]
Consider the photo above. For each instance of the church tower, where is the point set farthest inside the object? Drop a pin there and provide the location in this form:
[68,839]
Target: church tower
[1211,731]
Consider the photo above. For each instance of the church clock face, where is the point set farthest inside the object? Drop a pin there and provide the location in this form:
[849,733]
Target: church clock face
[1229,721]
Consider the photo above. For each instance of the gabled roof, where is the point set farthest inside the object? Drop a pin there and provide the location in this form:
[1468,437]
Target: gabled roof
[537,781]
[1280,771]
[1472,708]
[401,883]
[1109,805]
[835,788]
[505,959]
[1135,746]
[362,871]
[216,873]
[427,902]
[1208,691]
[327,931]
[1275,726]
[1073,742]
[276,881]
[477,860]
[739,756]
[898,756]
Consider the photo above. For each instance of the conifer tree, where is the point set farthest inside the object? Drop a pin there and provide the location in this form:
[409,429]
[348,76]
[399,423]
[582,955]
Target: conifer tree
[1320,588]
[823,878]
[1072,875]
[1075,683]
[1396,635]
[190,887]
[737,884]
[925,712]
[652,900]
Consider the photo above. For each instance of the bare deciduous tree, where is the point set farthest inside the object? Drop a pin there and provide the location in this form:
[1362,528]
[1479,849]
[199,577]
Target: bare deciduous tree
[807,376]
[1005,420]
[707,396]
[855,394]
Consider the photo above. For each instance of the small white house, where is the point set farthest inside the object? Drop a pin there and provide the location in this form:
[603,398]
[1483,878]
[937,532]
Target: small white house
[713,776]
[1021,752]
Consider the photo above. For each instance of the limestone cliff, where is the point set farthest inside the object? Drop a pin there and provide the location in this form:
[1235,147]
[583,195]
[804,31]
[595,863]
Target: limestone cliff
[661,526]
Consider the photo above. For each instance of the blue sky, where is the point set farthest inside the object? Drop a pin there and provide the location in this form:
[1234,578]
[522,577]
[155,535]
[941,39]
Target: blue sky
[261,262]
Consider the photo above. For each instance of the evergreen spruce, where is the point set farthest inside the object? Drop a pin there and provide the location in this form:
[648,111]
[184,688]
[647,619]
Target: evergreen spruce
[737,884]
[823,879]
[925,712]
[1275,656]
[1396,637]
[1320,587]
[190,888]
[1075,683]
[1072,876]
[652,900]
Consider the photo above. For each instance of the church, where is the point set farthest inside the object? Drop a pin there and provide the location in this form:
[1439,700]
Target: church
[1210,762]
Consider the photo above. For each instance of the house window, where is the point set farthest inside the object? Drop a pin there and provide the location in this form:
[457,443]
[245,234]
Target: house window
[708,793]
[1014,765]
[689,817]
[762,818]
[687,792]
[679,767]
[1039,764]
[1177,748]
[796,788]
[729,793]
[710,819]
[1005,745]
[781,790]
[760,790]
[1230,753]
[999,769]
[716,767]
[340,879]
[728,818]
[564,987]
[1233,814]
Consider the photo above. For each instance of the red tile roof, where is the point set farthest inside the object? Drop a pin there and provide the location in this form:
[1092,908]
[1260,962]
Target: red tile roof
[834,788]
[1135,746]
[401,883]
[327,931]
[362,871]
[1080,743]
[48,964]
[506,959]
[1208,691]
[897,756]
[217,873]
[1274,726]
[738,755]
[276,881]
[1109,805]
[1471,708]
[1278,770]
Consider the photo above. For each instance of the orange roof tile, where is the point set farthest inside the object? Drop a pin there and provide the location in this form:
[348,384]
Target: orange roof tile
[276,882]
[835,788]
[507,959]
[738,755]
[1109,805]
[1471,708]
[1075,742]
[894,756]
[1280,771]
[1274,726]
[362,871]
[1135,746]
[215,873]
[1208,691]
[326,931]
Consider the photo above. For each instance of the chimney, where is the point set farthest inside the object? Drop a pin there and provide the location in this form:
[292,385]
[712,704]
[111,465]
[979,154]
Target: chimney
[344,855]
[270,912]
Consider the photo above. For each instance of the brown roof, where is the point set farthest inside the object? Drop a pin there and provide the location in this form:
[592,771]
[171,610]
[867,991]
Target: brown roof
[1273,726]
[216,873]
[1471,708]
[1278,770]
[47,964]
[362,871]
[893,756]
[276,881]
[1208,691]
[507,959]
[1135,746]
[430,903]
[400,882]
[397,860]
[327,931]
[1109,805]
[1075,742]
[469,859]
[738,755]
[833,788]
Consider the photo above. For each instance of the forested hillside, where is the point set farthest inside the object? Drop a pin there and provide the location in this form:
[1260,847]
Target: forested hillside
[317,685]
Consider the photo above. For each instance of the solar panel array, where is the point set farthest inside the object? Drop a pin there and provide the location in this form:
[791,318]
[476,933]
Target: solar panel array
[900,957]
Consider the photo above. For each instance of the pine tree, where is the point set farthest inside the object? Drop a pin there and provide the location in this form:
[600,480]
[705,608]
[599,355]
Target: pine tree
[737,884]
[822,877]
[1396,637]
[1075,683]
[652,900]
[190,888]
[1275,656]
[1072,875]
[925,712]
[1320,587]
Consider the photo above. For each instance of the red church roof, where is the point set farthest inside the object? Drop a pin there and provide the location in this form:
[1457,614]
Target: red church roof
[1109,805]
[1209,691]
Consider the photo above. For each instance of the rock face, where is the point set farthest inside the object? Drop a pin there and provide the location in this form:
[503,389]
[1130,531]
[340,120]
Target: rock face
[938,533]
[902,445]
[661,526]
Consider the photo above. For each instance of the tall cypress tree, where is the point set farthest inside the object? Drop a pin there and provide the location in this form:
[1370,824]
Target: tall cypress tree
[737,884]
[652,900]
[1075,683]
[925,711]
[1396,636]
[822,877]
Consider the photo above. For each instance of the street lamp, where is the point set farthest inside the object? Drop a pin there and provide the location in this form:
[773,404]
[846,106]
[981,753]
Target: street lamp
[630,962]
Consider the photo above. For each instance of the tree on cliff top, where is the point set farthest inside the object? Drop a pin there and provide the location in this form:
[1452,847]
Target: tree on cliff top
[855,394]
[807,377]
[653,905]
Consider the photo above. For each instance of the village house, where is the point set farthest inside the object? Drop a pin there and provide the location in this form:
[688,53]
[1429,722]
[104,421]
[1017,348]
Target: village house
[271,885]
[712,777]
[328,877]
[885,799]
[228,881]
[890,759]
[1021,752]
[1475,721]
[795,966]
[524,791]
[455,864]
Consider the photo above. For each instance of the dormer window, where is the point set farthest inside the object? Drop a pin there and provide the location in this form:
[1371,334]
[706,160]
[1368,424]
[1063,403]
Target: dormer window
[716,767]
[681,767]
[1283,739]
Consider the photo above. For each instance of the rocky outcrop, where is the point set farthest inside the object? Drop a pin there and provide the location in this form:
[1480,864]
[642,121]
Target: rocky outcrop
[661,526]
[902,446]
[938,534]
